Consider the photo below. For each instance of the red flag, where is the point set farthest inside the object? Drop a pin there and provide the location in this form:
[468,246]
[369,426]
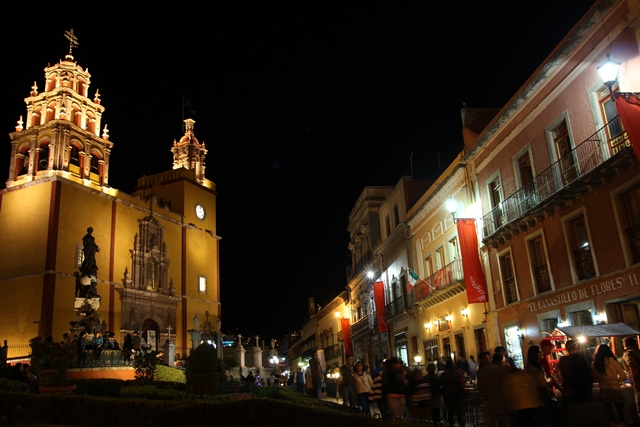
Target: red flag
[378,297]
[346,337]
[473,277]
[628,106]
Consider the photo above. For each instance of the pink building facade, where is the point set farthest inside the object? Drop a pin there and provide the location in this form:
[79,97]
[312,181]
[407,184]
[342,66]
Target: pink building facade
[559,188]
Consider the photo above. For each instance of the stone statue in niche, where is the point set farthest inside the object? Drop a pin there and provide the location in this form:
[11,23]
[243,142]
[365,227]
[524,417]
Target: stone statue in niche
[89,249]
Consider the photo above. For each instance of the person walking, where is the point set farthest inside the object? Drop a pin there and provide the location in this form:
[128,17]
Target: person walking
[300,380]
[363,385]
[631,363]
[453,382]
[609,374]
[394,389]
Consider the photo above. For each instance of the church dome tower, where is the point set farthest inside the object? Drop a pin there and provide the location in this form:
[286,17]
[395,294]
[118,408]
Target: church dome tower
[61,134]
[189,153]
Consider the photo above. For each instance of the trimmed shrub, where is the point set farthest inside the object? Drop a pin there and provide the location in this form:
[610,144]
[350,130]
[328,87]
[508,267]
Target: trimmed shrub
[107,387]
[167,373]
[202,370]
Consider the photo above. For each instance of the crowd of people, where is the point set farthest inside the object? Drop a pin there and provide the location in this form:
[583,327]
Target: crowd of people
[537,394]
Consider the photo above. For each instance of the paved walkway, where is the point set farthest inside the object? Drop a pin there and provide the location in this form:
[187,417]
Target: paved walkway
[339,401]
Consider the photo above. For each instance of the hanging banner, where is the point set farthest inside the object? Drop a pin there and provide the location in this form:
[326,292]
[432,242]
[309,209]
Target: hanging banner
[473,277]
[378,297]
[346,337]
[628,105]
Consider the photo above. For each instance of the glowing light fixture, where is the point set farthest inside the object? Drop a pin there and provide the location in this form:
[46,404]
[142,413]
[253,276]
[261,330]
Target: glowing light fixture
[609,71]
[417,359]
[370,274]
[448,318]
[452,207]
[465,312]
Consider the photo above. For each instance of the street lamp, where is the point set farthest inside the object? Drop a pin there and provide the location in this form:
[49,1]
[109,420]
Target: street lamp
[452,207]
[609,72]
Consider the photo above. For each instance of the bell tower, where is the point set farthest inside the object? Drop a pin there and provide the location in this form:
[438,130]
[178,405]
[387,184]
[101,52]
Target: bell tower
[189,153]
[61,134]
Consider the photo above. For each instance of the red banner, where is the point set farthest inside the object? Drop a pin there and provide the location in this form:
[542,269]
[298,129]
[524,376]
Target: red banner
[346,337]
[378,297]
[473,277]
[628,106]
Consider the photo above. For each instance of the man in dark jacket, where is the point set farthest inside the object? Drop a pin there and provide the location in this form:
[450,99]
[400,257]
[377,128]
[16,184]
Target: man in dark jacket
[349,396]
[577,380]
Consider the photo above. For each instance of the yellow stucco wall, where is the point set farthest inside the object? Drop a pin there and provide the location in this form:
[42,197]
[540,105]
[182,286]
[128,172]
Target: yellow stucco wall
[24,219]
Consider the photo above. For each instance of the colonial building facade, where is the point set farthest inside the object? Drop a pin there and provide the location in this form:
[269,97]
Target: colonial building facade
[158,248]
[559,187]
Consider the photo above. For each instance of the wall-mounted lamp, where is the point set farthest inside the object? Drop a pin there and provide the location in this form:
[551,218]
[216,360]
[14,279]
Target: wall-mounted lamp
[599,319]
[562,323]
[435,322]
[417,359]
[452,207]
[370,274]
[337,314]
[427,325]
[465,312]
[520,334]
[609,73]
[448,318]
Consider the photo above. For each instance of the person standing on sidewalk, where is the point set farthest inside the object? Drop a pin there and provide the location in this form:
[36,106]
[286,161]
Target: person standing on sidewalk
[348,386]
[363,385]
[316,375]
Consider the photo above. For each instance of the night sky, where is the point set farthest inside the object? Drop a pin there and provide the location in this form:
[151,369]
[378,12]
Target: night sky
[300,107]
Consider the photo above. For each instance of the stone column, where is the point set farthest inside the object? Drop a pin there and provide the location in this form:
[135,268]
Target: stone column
[241,351]
[169,352]
[195,338]
[257,356]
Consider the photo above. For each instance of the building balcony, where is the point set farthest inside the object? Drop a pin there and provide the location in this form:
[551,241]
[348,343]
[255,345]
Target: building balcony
[587,165]
[395,307]
[331,351]
[446,276]
[359,266]
[443,284]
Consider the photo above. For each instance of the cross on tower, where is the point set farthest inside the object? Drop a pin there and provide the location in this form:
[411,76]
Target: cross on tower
[257,343]
[169,329]
[240,339]
[73,40]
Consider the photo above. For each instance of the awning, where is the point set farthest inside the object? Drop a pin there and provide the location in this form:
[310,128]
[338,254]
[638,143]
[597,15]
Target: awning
[612,330]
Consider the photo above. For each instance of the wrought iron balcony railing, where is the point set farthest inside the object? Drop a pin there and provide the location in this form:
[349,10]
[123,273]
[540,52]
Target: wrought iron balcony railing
[395,307]
[584,158]
[584,263]
[449,274]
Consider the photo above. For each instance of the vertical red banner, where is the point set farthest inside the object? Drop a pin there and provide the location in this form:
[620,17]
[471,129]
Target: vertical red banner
[473,276]
[346,337]
[628,106]
[378,297]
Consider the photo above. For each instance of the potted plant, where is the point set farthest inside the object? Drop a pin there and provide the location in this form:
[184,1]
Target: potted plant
[51,361]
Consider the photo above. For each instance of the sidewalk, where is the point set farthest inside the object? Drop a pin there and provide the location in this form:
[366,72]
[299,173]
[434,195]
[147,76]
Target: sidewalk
[339,401]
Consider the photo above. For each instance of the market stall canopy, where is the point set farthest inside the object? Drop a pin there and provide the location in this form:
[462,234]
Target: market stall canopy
[612,330]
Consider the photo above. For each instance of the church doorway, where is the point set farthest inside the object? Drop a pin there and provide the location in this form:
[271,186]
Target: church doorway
[150,333]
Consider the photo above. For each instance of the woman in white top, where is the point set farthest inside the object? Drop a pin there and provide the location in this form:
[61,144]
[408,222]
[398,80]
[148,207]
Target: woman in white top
[608,372]
[364,384]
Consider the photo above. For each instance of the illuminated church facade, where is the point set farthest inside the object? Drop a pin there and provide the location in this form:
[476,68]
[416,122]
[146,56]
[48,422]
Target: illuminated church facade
[158,248]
